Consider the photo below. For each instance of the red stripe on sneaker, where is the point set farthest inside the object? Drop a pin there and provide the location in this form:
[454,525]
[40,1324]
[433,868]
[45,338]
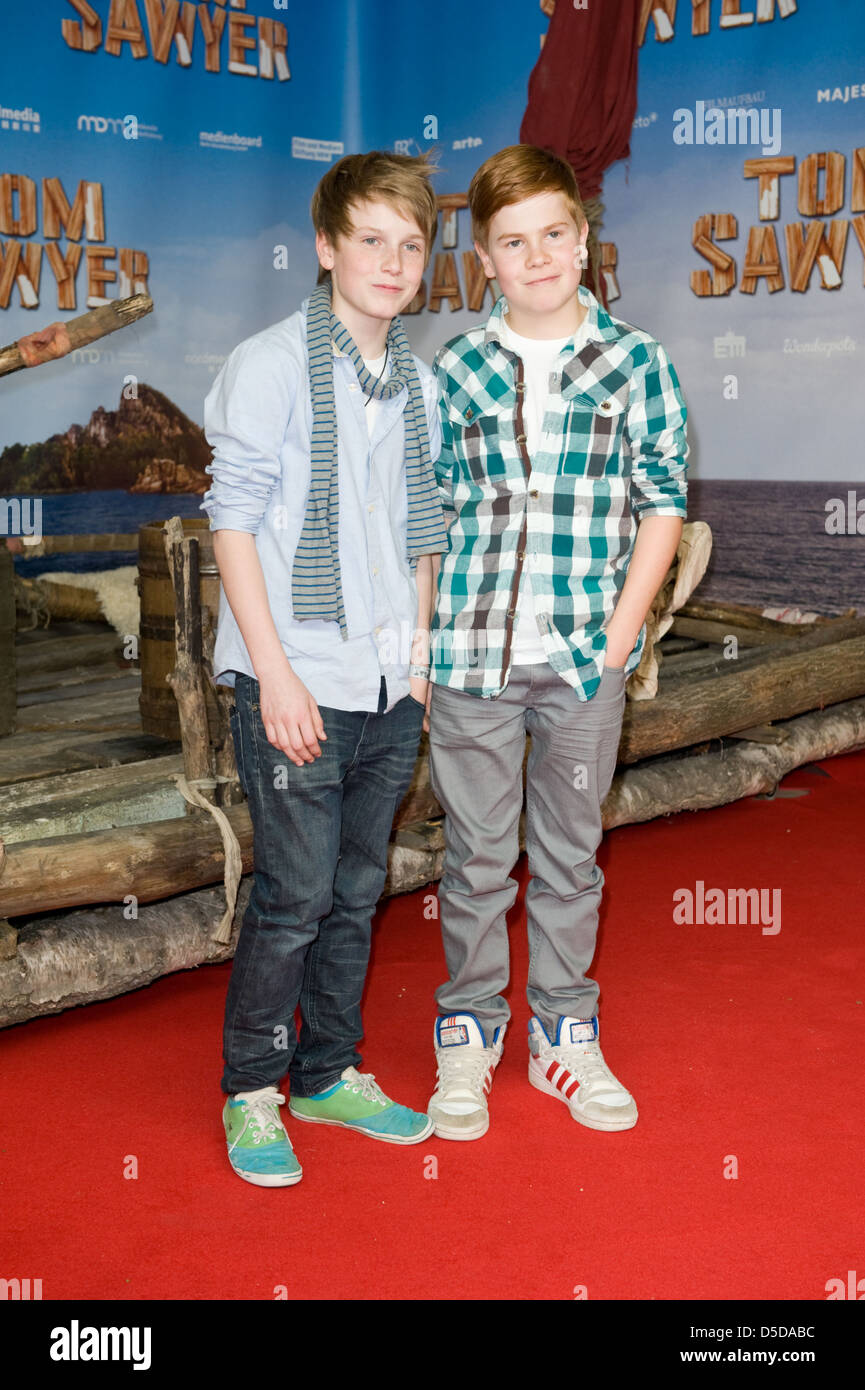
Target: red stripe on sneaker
[564,1079]
[573,1086]
[551,1070]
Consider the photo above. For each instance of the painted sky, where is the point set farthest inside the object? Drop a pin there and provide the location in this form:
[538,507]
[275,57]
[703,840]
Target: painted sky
[369,74]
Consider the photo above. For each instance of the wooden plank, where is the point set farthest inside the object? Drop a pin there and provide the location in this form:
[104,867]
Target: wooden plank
[111,710]
[78,687]
[64,681]
[763,733]
[47,649]
[27,755]
[88,787]
[96,799]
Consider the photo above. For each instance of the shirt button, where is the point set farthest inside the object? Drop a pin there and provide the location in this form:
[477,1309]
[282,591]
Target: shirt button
[370,509]
[521,554]
[606,405]
[375,569]
[534,492]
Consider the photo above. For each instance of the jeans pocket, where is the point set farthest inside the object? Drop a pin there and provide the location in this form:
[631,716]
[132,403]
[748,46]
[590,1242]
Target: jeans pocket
[237,740]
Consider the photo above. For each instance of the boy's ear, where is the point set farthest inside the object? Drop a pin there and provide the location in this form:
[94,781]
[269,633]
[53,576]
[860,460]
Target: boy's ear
[324,250]
[489,268]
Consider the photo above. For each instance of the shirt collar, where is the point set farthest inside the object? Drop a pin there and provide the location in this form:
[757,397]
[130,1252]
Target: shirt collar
[598,323]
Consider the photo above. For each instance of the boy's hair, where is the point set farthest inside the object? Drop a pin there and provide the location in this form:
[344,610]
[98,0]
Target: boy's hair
[514,174]
[401,180]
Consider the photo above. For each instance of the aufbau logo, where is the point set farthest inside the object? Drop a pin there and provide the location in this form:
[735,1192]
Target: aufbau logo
[20,118]
[130,127]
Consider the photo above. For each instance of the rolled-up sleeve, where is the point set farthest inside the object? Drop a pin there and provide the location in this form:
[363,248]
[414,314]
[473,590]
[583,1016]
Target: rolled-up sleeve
[656,434]
[245,417]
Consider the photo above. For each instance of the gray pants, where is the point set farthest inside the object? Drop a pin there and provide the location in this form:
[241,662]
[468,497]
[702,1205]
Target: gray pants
[477,747]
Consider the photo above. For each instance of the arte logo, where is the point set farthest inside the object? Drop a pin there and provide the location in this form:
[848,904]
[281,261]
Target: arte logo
[20,118]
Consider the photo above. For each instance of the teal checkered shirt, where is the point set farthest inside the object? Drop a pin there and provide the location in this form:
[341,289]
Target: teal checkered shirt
[613,450]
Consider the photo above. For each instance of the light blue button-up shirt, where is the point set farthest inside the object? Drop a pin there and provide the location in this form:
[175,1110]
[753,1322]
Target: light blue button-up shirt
[258,421]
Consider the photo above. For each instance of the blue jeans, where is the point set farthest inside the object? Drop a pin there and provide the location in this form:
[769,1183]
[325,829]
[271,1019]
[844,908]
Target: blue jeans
[320,840]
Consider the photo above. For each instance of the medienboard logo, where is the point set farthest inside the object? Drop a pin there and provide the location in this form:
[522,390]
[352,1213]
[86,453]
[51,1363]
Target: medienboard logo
[20,118]
[222,140]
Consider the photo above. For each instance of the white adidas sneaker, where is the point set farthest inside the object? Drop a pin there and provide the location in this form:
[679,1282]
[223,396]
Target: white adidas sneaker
[458,1106]
[573,1070]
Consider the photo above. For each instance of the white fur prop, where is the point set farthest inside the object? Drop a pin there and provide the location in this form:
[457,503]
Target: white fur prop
[115,592]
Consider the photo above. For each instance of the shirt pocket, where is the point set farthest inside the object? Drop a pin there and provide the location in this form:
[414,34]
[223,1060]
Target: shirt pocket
[594,444]
[478,431]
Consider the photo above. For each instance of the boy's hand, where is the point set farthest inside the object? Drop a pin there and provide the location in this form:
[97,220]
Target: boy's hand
[421,691]
[291,718]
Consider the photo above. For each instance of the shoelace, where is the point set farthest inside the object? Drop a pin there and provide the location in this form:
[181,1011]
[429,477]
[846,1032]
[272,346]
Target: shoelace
[586,1062]
[464,1064]
[369,1090]
[262,1115]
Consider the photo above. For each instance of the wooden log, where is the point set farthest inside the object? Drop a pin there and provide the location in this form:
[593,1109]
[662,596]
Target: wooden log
[151,861]
[720,776]
[81,956]
[63,602]
[8,940]
[707,630]
[744,615]
[58,339]
[819,671]
[186,679]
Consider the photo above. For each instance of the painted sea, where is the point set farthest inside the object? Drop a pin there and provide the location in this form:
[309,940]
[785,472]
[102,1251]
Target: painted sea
[771,544]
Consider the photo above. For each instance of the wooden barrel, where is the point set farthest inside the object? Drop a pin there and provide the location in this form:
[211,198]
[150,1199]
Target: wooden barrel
[156,644]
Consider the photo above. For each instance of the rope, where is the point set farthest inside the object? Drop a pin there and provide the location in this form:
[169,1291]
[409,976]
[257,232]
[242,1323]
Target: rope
[230,844]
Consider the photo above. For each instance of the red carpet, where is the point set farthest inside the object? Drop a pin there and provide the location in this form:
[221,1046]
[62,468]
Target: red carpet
[734,1043]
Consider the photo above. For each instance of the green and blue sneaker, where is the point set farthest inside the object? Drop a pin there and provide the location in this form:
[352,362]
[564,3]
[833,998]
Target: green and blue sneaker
[259,1150]
[356,1102]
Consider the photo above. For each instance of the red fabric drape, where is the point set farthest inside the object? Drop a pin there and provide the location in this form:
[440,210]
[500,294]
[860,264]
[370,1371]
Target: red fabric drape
[583,88]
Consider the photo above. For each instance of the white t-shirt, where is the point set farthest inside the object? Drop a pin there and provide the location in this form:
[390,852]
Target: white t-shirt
[539,357]
[374,365]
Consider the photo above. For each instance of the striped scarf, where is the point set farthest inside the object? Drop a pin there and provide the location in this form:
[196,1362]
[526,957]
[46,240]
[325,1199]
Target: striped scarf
[316,590]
